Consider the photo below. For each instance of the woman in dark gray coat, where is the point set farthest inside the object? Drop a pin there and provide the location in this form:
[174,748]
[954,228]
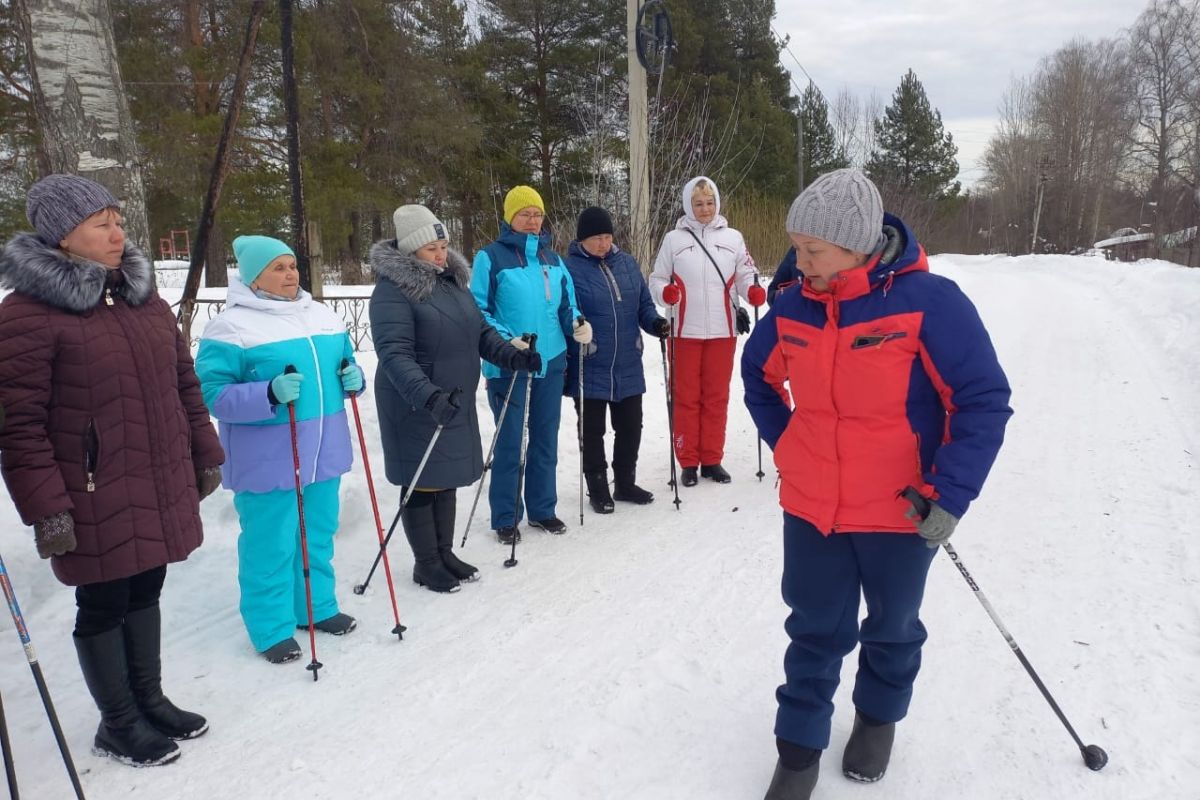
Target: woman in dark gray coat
[429,335]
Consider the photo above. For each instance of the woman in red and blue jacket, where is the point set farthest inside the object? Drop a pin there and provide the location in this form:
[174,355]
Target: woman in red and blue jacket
[872,376]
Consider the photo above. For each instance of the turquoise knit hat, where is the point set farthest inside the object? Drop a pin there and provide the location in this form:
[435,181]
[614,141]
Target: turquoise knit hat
[254,253]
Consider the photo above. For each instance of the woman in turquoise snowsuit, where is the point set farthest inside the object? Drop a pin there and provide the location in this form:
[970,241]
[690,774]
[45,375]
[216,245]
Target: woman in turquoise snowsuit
[268,324]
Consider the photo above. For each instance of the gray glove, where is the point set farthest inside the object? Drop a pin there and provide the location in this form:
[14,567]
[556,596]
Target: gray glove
[936,526]
[55,534]
[208,480]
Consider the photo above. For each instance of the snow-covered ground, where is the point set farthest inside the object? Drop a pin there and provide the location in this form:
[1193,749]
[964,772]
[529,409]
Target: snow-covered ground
[636,657]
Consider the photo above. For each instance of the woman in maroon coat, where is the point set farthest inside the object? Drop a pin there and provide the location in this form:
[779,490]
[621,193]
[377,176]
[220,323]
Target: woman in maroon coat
[107,448]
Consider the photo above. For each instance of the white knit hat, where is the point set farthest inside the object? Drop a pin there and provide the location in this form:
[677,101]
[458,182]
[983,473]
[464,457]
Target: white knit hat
[842,207]
[416,226]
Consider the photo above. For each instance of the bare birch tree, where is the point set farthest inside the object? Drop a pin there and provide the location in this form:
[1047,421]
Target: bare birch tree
[1165,81]
[82,110]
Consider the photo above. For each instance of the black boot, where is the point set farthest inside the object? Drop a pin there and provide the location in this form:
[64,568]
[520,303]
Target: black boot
[597,489]
[715,472]
[124,734]
[143,641]
[627,490]
[687,476]
[868,750]
[789,784]
[443,520]
[421,530]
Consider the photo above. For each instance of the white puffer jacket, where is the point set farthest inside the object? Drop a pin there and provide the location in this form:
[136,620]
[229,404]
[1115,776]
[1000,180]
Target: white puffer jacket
[708,301]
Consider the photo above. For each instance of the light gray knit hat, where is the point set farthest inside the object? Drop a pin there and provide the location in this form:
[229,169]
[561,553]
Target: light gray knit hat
[416,226]
[57,203]
[842,207]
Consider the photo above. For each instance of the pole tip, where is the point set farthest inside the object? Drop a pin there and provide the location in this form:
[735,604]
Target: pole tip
[1094,757]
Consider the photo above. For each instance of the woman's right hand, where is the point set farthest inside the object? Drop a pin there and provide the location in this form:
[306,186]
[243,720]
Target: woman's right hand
[285,388]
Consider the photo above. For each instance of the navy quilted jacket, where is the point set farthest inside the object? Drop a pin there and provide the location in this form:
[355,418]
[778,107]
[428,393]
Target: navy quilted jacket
[612,293]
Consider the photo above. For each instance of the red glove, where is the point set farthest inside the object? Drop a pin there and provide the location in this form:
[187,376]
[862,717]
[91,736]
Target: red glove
[757,295]
[671,294]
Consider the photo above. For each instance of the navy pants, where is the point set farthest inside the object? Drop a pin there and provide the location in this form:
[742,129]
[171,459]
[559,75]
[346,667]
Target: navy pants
[541,459]
[823,577]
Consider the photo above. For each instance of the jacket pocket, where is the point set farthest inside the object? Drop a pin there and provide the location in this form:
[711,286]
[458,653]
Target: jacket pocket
[91,454]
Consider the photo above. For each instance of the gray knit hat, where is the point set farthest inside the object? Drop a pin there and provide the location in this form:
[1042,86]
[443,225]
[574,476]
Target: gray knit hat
[56,204]
[416,226]
[842,207]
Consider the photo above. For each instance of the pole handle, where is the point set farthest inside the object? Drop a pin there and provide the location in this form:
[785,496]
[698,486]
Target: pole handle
[919,501]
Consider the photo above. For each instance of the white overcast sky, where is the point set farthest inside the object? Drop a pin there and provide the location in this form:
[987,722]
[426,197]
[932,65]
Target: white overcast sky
[964,52]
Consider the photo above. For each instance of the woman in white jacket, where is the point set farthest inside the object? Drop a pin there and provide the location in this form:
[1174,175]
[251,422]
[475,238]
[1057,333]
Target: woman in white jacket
[701,269]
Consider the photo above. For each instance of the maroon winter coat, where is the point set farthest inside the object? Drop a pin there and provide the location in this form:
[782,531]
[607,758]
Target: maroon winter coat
[104,413]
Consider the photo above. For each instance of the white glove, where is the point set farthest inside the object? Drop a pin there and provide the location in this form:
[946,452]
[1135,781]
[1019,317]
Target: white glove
[519,343]
[583,332]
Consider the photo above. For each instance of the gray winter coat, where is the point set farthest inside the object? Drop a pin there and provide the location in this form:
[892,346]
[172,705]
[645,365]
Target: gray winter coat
[429,334]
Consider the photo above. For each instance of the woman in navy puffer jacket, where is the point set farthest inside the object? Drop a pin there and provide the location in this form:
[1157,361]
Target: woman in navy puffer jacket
[612,293]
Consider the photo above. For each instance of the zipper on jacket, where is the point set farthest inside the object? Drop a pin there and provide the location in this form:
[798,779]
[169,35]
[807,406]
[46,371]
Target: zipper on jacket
[320,399]
[614,297]
[108,298]
[546,280]
[91,454]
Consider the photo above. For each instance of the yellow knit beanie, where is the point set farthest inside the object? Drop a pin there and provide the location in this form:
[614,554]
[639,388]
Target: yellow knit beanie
[520,197]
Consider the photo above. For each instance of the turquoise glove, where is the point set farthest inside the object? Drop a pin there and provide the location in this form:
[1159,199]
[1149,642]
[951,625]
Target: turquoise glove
[284,388]
[351,376]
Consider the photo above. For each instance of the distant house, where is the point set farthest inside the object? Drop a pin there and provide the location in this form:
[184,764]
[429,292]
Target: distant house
[1126,245]
[1129,245]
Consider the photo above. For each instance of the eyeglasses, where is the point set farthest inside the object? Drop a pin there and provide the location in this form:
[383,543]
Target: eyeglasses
[533,216]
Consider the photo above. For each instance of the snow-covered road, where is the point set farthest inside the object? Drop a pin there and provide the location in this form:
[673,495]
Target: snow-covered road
[637,657]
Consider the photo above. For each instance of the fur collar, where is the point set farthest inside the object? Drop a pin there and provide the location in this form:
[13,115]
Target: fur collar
[31,267]
[414,277]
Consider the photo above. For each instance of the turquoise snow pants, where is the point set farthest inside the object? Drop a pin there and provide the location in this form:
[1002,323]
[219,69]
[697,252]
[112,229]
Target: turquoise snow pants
[271,566]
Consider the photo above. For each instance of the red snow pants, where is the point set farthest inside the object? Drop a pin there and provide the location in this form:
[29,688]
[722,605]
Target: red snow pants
[703,369]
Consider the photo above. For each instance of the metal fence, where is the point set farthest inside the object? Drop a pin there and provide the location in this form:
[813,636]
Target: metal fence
[352,310]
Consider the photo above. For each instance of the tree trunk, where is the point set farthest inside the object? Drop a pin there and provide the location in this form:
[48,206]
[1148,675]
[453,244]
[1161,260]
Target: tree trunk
[215,270]
[82,110]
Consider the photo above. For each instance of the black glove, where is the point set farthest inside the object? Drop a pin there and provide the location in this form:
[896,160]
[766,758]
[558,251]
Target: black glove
[662,328]
[442,406]
[743,320]
[527,361]
[208,480]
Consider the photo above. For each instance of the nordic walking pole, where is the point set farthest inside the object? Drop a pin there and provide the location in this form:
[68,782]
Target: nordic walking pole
[511,561]
[314,666]
[579,321]
[362,587]
[487,464]
[1093,756]
[39,679]
[10,771]
[760,472]
[669,376]
[387,567]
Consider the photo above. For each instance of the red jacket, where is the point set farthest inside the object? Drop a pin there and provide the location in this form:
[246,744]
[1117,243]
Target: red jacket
[887,380]
[104,413]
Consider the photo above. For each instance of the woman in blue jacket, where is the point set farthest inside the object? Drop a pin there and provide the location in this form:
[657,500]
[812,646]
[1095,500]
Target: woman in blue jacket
[522,286]
[269,323]
[612,294]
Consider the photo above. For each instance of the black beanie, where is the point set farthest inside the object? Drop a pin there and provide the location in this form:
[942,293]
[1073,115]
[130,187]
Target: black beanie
[593,222]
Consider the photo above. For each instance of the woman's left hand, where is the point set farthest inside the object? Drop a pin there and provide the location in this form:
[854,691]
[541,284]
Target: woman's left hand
[351,377]
[208,480]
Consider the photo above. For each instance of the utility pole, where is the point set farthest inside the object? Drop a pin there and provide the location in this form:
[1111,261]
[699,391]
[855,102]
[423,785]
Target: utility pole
[639,130]
[1044,166]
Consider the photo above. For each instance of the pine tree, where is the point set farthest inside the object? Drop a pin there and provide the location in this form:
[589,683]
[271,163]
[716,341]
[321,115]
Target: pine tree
[915,155]
[730,98]
[821,151]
